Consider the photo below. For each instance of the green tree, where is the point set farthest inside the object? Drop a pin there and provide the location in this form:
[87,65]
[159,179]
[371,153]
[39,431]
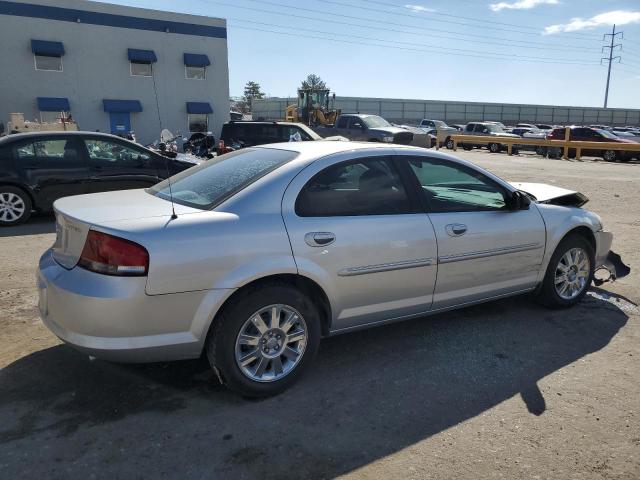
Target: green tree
[313,81]
[252,90]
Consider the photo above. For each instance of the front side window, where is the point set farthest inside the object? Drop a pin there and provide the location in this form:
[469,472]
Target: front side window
[214,181]
[141,69]
[293,134]
[363,187]
[52,64]
[374,121]
[195,73]
[449,187]
[24,151]
[112,153]
[198,122]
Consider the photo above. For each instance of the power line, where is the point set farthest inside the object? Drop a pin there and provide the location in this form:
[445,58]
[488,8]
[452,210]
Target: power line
[398,42]
[507,57]
[503,41]
[440,14]
[385,22]
[271,24]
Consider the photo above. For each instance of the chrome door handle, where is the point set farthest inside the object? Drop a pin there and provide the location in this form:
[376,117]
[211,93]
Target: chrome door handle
[319,239]
[455,229]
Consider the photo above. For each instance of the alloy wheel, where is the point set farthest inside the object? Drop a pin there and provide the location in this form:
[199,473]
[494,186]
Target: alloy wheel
[12,207]
[271,343]
[572,273]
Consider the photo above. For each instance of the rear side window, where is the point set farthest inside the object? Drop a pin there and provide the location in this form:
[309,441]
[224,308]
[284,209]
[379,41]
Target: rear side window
[342,122]
[214,181]
[363,187]
[59,152]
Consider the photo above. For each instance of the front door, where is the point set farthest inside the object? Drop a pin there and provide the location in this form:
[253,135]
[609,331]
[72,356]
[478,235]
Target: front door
[119,165]
[485,250]
[354,229]
[120,122]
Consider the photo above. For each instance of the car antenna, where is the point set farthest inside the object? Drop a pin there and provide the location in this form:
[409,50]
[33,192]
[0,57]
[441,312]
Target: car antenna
[166,159]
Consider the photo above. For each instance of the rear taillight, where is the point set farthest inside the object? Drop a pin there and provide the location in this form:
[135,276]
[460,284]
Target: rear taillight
[104,253]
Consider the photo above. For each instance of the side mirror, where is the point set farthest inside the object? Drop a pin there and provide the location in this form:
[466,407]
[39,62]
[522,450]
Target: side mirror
[519,201]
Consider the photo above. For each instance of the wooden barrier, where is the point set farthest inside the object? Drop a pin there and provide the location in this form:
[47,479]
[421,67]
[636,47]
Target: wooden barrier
[565,144]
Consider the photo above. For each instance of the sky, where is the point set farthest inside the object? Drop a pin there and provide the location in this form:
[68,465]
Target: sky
[514,51]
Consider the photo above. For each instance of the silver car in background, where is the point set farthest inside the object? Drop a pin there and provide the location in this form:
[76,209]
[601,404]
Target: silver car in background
[254,256]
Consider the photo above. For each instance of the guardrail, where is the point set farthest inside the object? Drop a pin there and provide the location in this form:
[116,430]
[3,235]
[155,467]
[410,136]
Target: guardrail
[565,144]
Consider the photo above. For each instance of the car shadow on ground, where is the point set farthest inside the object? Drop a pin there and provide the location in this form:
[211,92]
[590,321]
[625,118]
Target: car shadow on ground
[368,395]
[36,225]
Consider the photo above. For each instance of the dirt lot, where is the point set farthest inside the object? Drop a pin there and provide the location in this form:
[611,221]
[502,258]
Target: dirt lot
[503,390]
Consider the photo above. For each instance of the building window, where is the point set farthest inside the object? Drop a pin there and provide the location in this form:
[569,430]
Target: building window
[52,64]
[195,73]
[198,122]
[141,69]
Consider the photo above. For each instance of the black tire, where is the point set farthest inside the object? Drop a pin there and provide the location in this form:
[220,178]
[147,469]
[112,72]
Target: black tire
[14,199]
[515,151]
[548,294]
[611,156]
[494,147]
[221,343]
[467,147]
[542,151]
[449,144]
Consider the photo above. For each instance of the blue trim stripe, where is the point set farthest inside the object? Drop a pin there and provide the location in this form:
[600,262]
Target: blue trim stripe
[109,20]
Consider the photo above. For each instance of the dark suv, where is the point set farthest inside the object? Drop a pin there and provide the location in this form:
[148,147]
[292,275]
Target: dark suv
[249,133]
[589,134]
[38,168]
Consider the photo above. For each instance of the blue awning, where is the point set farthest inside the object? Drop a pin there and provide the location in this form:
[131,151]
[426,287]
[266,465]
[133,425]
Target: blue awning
[122,105]
[53,104]
[199,107]
[143,56]
[47,49]
[196,60]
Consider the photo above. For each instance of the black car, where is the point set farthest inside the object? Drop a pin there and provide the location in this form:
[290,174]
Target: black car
[38,168]
[250,133]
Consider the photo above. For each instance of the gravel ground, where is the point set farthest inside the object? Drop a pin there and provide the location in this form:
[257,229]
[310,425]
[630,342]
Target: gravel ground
[503,390]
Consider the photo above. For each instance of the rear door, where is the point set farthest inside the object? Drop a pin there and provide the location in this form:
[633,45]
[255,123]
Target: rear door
[485,250]
[54,167]
[118,165]
[356,230]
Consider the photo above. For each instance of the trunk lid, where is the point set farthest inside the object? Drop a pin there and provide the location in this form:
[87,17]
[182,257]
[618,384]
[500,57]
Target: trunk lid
[76,215]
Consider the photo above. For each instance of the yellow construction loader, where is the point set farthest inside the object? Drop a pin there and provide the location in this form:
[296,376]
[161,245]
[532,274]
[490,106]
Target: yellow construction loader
[313,108]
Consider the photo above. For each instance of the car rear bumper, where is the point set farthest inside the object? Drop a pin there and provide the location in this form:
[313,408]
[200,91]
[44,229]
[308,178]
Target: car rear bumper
[114,319]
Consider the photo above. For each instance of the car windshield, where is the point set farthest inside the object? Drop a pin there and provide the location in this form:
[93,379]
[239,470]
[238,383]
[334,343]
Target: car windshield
[210,183]
[374,121]
[606,134]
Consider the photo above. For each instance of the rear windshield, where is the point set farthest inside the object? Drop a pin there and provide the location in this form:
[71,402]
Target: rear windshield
[214,181]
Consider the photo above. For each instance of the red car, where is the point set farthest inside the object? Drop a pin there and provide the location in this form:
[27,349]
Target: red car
[588,134]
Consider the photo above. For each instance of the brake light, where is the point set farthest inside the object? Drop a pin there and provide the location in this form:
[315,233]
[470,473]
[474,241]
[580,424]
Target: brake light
[104,253]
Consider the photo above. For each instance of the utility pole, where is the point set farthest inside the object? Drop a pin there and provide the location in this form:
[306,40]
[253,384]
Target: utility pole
[610,58]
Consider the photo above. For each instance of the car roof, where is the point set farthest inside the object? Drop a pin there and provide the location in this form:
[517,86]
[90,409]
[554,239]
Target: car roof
[27,135]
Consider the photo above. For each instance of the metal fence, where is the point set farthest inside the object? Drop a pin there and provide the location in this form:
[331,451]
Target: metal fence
[412,111]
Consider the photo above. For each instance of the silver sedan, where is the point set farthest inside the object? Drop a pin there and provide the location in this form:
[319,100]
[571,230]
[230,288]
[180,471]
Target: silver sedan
[253,257]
